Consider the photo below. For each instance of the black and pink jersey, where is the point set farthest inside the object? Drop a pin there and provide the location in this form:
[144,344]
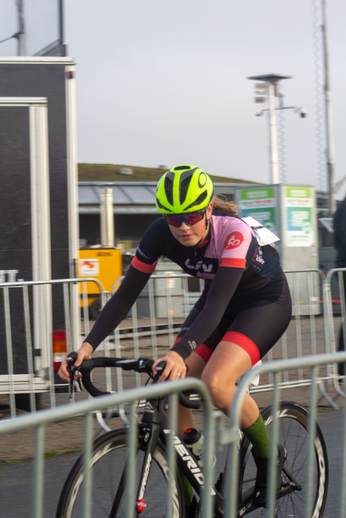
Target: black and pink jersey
[230,243]
[237,271]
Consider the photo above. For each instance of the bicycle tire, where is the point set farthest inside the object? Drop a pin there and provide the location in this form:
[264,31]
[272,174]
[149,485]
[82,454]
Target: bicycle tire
[294,436]
[108,458]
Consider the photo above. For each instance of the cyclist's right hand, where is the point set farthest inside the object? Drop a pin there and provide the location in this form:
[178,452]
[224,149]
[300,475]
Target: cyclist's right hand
[83,353]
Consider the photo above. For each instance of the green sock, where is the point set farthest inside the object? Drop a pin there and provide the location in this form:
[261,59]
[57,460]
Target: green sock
[187,488]
[259,437]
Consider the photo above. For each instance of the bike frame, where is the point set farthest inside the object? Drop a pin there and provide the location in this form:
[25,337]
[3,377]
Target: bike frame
[154,426]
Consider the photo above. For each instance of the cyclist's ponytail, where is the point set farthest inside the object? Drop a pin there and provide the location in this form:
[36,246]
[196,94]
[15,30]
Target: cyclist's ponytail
[221,204]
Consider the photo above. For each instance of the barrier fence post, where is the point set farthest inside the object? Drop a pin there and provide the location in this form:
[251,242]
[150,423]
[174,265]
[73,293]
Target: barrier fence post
[87,503]
[312,434]
[273,445]
[343,473]
[172,460]
[29,351]
[131,462]
[39,472]
[9,350]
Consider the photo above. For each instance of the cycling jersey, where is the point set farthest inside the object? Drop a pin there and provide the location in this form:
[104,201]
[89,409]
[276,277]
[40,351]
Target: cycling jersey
[230,243]
[229,259]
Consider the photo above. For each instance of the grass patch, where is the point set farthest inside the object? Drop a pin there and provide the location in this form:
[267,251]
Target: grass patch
[55,453]
[48,454]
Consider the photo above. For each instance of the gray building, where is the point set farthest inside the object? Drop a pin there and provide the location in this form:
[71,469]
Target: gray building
[133,206]
[134,210]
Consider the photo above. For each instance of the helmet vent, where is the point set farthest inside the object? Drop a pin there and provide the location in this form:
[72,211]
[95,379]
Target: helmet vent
[169,187]
[199,200]
[182,167]
[162,206]
[184,184]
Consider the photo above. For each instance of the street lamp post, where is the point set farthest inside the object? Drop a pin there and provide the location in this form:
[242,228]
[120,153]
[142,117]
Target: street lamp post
[329,118]
[271,80]
[20,34]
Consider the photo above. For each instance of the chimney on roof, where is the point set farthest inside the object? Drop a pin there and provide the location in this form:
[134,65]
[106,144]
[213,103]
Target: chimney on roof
[107,217]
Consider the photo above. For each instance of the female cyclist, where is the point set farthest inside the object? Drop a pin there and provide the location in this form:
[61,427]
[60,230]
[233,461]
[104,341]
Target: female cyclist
[243,311]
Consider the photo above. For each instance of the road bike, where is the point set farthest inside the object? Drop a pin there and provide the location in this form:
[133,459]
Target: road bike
[110,453]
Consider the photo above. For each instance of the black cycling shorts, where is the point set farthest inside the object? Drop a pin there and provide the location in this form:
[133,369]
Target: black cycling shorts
[255,321]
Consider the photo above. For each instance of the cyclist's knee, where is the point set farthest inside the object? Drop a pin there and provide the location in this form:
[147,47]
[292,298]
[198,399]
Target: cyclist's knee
[221,392]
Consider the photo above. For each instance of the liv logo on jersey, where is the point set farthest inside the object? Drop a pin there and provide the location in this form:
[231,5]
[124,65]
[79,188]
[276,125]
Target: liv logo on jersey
[206,265]
[234,240]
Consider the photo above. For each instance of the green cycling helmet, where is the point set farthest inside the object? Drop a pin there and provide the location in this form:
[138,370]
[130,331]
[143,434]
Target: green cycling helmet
[185,188]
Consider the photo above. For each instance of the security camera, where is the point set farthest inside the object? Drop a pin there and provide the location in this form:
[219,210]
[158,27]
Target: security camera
[303,112]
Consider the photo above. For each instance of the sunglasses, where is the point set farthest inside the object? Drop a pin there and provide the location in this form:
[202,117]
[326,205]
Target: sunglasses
[190,218]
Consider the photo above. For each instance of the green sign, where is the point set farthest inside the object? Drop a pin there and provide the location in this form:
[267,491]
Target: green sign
[299,216]
[260,204]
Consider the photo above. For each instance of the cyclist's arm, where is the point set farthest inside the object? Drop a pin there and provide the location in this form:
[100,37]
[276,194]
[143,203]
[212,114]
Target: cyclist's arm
[118,306]
[110,317]
[220,293]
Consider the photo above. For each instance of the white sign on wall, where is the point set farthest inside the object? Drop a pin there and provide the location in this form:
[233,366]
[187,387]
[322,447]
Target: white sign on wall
[88,267]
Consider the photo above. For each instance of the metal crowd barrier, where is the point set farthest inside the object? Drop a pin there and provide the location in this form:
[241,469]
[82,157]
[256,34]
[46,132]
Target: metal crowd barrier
[277,369]
[335,327]
[214,437]
[306,335]
[150,329]
[39,420]
[29,310]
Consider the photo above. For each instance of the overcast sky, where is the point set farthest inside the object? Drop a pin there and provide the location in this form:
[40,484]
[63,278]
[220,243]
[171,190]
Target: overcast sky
[165,83]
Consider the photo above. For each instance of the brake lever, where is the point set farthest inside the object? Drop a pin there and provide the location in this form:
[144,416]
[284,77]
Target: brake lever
[72,371]
[160,367]
[79,383]
[72,380]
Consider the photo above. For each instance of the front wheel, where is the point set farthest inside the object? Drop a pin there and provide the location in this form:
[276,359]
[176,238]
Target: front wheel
[108,461]
[294,436]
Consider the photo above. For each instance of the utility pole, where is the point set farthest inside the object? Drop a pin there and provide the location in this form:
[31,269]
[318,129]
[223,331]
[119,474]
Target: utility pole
[20,34]
[273,134]
[329,118]
[272,80]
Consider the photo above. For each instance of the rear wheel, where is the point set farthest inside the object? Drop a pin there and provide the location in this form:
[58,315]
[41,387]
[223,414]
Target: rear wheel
[294,436]
[110,453]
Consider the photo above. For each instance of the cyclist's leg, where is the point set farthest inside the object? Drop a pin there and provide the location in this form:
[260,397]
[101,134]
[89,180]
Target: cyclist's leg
[195,362]
[227,364]
[256,323]
[195,365]
[248,339]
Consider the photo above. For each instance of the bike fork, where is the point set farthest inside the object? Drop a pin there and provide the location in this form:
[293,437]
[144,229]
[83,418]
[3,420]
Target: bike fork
[150,436]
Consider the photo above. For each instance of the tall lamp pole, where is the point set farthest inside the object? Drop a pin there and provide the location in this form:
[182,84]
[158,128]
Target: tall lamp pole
[271,80]
[20,33]
[329,118]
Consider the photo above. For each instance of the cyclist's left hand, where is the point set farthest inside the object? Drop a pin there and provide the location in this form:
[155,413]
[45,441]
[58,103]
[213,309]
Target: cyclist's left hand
[175,367]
